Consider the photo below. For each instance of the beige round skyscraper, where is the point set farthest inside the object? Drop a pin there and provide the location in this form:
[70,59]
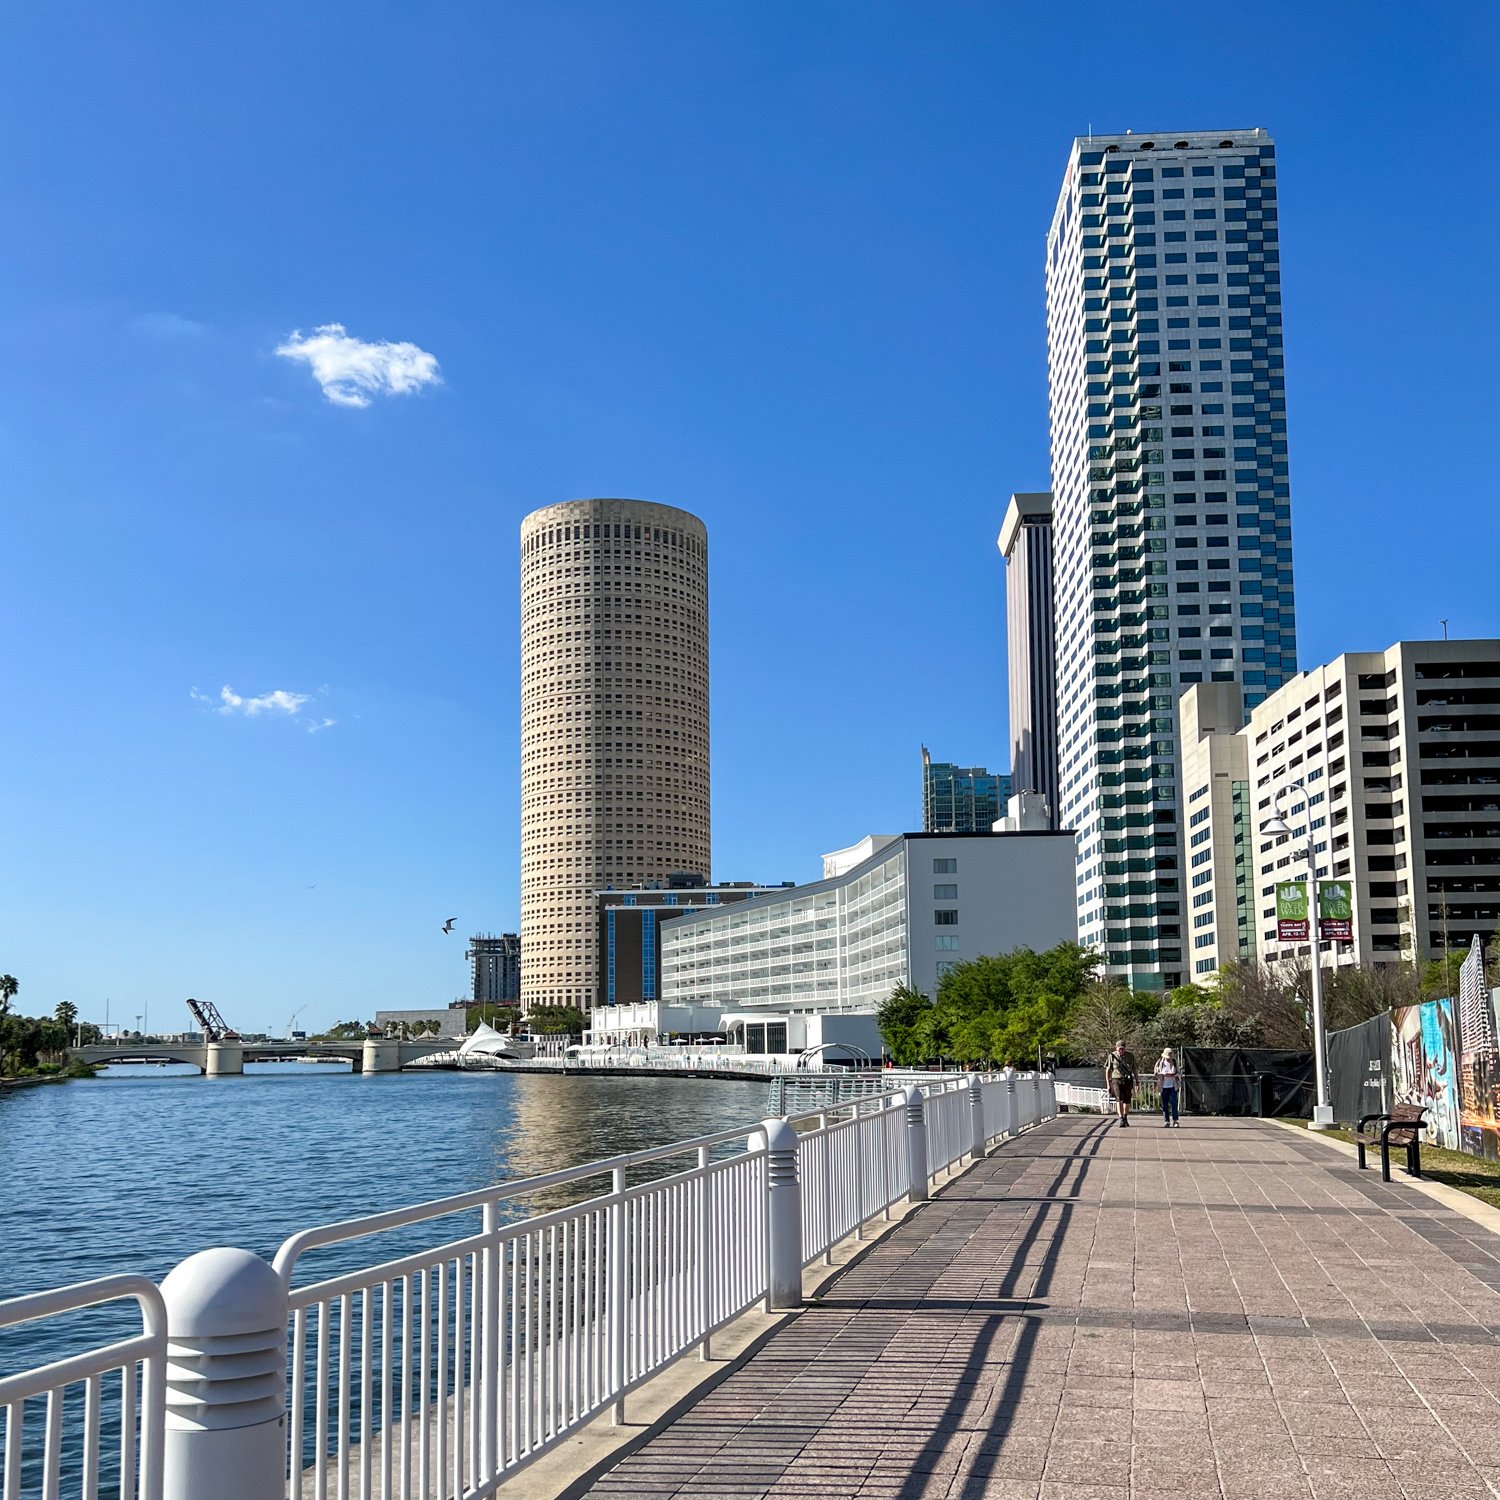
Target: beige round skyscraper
[614,723]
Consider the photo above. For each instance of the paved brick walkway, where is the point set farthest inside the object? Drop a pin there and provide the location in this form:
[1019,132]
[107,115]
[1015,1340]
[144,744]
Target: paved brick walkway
[1221,1310]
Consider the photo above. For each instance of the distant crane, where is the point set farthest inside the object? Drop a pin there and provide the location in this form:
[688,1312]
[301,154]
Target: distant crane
[293,1021]
[213,1026]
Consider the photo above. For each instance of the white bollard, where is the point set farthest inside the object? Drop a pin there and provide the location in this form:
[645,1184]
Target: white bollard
[226,1379]
[916,1145]
[976,1117]
[783,1218]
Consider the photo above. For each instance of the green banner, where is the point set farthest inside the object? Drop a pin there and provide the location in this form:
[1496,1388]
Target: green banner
[1336,911]
[1291,911]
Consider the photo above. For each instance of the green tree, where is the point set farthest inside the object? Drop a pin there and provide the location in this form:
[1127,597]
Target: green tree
[9,987]
[501,1017]
[898,1017]
[1274,1004]
[555,1020]
[67,1015]
[1036,1024]
[343,1031]
[1105,1014]
[1440,975]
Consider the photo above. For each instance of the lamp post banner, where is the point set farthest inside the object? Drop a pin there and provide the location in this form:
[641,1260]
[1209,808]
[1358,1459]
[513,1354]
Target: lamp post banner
[1292,924]
[1335,911]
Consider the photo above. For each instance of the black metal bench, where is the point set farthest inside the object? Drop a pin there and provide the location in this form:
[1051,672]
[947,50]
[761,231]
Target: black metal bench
[1401,1127]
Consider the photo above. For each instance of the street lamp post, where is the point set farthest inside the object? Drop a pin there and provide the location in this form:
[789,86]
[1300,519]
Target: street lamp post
[1323,1111]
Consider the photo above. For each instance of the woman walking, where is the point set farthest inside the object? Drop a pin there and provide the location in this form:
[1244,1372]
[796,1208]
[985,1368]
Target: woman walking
[1167,1079]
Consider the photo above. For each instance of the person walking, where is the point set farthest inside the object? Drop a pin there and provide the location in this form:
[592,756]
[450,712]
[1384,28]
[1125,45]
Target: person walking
[1167,1078]
[1119,1079]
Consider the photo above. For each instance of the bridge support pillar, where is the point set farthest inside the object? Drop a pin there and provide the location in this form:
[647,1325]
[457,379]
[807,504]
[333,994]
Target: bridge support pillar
[226,1379]
[223,1058]
[381,1056]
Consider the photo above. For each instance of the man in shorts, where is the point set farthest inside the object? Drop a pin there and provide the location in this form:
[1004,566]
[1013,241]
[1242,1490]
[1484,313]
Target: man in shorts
[1119,1079]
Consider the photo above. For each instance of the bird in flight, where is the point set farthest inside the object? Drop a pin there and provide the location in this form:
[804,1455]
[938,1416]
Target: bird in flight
[448,925]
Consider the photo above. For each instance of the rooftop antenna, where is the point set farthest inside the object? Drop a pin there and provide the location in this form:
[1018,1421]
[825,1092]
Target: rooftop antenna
[1444,624]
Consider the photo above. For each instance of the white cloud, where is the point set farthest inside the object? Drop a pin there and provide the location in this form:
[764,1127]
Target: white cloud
[230,702]
[319,725]
[166,325]
[353,372]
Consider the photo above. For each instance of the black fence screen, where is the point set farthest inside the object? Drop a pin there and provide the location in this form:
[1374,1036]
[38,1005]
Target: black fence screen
[1359,1062]
[1247,1081]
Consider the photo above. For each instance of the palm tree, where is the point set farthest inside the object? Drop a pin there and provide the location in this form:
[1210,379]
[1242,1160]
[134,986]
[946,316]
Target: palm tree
[9,984]
[66,1014]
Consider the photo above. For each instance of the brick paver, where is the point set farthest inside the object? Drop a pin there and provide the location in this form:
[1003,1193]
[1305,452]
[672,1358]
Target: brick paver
[1221,1310]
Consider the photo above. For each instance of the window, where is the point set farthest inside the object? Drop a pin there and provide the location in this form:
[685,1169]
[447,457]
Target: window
[945,893]
[945,867]
[946,916]
[947,942]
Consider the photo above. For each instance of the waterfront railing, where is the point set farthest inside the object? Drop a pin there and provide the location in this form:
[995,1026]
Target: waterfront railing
[499,1321]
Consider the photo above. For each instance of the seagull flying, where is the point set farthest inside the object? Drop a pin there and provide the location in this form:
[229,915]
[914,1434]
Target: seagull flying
[448,925]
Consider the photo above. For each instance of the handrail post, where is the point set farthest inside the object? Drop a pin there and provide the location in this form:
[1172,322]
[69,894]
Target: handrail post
[916,1145]
[783,1218]
[616,1275]
[226,1380]
[491,1392]
[859,1172]
[825,1159]
[1010,1104]
[704,1274]
[976,1117]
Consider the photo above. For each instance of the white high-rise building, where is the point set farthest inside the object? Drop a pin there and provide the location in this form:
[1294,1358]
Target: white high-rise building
[1172,526]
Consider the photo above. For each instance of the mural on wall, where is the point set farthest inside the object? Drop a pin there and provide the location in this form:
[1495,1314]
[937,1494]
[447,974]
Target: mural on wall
[1444,1054]
[1424,1064]
[1479,1059]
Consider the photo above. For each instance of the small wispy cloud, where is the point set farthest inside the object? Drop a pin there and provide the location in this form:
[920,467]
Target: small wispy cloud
[166,325]
[352,372]
[230,702]
[319,725]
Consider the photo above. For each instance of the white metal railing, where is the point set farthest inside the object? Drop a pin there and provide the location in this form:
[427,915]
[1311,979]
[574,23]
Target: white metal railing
[1080,1096]
[440,1371]
[1146,1096]
[123,1390]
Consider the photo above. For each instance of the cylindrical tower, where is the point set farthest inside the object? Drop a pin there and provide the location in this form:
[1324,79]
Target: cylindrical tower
[614,723]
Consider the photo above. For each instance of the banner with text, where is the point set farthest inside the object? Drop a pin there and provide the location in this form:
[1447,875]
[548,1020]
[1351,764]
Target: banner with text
[1291,911]
[1335,911]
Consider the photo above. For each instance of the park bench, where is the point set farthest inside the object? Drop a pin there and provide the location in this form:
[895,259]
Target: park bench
[1401,1127]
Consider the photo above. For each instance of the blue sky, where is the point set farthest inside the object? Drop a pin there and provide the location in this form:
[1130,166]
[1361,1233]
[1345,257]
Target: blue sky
[777,262]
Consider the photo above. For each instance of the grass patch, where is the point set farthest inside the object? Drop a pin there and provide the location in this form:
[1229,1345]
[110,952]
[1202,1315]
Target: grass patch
[1456,1169]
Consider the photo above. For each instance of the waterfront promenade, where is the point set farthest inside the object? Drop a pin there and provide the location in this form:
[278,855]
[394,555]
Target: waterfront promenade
[1224,1310]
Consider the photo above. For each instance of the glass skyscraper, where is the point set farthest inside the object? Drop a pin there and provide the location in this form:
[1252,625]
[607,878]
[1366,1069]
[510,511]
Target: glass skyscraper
[1172,527]
[961,799]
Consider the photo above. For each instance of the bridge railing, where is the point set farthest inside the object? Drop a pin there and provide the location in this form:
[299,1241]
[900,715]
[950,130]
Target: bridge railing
[482,1337]
[102,1421]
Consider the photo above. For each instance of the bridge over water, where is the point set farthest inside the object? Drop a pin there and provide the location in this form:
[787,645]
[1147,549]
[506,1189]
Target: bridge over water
[370,1055]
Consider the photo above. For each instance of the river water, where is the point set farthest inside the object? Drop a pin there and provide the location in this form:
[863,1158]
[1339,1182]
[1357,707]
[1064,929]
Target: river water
[142,1166]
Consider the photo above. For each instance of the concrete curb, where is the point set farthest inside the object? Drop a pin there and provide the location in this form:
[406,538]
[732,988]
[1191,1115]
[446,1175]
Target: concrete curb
[1460,1202]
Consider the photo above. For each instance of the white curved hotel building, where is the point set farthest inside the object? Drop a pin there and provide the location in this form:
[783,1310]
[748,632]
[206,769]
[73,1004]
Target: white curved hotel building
[614,723]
